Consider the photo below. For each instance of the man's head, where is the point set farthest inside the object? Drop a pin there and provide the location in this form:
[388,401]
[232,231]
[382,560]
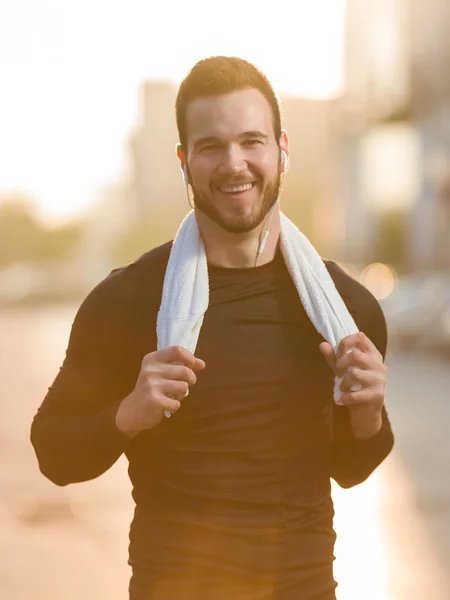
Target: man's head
[229,124]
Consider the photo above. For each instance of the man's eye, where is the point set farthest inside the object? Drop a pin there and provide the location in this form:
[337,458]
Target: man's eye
[210,148]
[252,142]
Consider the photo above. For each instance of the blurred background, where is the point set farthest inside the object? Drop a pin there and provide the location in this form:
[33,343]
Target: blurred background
[89,180]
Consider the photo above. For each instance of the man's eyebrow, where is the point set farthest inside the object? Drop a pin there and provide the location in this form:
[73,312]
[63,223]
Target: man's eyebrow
[206,140]
[254,133]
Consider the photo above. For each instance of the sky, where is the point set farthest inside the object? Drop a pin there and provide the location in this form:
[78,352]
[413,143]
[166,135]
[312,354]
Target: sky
[69,76]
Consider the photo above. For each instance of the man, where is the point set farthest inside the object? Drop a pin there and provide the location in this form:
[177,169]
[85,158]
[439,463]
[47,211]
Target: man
[233,491]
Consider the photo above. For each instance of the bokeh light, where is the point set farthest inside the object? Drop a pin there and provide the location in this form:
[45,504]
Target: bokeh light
[380,279]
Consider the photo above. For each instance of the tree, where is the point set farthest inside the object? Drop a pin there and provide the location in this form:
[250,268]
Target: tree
[23,237]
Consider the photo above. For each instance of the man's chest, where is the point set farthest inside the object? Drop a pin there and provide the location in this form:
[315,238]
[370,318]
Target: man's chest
[257,338]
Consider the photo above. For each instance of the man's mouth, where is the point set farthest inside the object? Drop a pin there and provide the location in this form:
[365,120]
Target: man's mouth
[235,189]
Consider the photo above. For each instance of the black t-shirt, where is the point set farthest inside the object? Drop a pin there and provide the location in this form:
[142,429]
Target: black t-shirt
[233,492]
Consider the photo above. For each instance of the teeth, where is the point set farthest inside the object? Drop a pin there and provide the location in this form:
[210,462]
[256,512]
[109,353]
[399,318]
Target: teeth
[237,188]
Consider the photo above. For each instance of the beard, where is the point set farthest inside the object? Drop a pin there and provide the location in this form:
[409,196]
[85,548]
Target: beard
[239,223]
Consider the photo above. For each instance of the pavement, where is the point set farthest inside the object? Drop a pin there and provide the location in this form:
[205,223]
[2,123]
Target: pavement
[72,542]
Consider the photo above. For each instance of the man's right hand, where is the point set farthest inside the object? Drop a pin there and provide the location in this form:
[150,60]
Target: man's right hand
[162,384]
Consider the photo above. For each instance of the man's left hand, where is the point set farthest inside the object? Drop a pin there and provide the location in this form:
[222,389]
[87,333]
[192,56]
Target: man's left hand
[358,361]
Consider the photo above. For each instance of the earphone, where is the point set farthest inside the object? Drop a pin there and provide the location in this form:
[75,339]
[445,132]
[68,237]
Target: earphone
[285,169]
[284,162]
[186,181]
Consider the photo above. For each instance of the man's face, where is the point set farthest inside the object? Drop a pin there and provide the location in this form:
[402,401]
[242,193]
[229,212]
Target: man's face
[233,158]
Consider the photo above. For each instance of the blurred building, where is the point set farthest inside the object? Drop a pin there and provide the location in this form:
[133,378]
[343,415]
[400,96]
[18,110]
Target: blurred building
[155,176]
[96,254]
[311,195]
[430,100]
[393,119]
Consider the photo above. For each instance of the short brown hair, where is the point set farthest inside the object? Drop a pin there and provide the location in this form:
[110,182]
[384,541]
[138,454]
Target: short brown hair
[221,75]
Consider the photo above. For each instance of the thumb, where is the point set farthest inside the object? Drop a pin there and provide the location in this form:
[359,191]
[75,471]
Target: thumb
[328,352]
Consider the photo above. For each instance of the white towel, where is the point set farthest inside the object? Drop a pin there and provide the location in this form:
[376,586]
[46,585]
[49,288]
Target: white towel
[185,296]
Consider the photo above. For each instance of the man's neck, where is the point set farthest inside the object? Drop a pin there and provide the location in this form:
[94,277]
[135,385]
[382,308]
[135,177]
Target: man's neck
[238,250]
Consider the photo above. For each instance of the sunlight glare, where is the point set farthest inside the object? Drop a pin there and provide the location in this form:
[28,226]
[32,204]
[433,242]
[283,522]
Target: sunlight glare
[70,76]
[360,567]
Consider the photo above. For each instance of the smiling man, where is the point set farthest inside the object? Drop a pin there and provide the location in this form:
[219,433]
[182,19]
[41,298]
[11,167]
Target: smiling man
[232,491]
[236,193]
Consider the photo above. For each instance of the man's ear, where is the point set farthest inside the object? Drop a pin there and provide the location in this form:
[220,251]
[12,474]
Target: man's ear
[284,142]
[181,156]
[183,163]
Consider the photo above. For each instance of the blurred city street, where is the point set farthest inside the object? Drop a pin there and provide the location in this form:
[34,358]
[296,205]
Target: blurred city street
[90,179]
[71,543]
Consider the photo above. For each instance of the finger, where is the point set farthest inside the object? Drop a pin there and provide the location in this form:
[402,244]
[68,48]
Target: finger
[169,405]
[353,358]
[175,389]
[349,342]
[328,352]
[178,373]
[176,354]
[355,376]
[357,340]
[349,398]
[366,344]
[365,396]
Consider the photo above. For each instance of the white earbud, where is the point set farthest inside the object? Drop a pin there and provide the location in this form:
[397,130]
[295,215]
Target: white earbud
[284,161]
[185,174]
[285,168]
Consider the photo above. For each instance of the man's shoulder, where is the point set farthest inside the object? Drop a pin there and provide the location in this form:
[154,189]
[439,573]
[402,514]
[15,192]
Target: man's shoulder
[151,264]
[356,296]
[140,280]
[362,305]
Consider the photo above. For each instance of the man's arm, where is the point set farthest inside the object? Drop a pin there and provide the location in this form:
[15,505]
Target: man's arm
[74,432]
[363,436]
[353,460]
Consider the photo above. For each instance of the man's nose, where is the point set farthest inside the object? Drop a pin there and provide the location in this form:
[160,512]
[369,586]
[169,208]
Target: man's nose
[233,161]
